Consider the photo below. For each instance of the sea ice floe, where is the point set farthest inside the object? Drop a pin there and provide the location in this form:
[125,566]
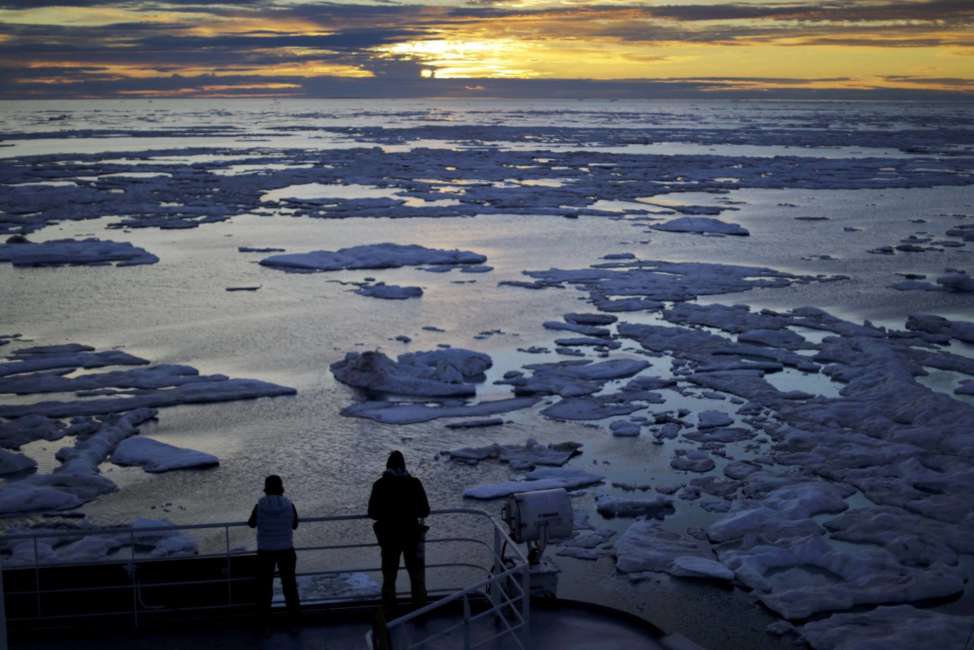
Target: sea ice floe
[808,576]
[14,463]
[587,544]
[692,566]
[713,419]
[572,378]
[219,390]
[590,319]
[475,424]
[437,373]
[545,478]
[156,456]
[74,252]
[647,547]
[655,508]
[600,407]
[371,256]
[587,330]
[666,281]
[898,627]
[941,327]
[692,460]
[411,413]
[587,341]
[625,428]
[77,479]
[701,225]
[388,291]
[65,357]
[519,456]
[913,539]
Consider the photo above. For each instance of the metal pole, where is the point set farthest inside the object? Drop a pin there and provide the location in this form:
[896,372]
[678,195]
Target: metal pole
[226,536]
[37,580]
[526,605]
[498,569]
[466,623]
[135,583]
[3,612]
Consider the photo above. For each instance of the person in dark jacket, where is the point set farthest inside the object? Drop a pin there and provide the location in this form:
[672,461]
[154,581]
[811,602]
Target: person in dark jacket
[398,503]
[275,519]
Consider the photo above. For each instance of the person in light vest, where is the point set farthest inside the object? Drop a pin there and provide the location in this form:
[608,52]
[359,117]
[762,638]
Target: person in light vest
[398,504]
[275,519]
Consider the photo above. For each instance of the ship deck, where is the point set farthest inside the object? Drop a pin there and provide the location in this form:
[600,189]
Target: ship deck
[555,624]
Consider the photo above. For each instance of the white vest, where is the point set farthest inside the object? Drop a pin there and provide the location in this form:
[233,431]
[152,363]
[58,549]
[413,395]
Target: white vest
[275,518]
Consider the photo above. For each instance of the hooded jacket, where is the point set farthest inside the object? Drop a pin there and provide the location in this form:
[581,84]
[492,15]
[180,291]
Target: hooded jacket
[275,518]
[398,500]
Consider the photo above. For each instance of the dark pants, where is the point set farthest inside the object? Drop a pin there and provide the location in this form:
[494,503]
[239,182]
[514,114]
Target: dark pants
[285,561]
[412,551]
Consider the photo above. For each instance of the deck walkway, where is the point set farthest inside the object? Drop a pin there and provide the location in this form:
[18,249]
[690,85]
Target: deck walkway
[561,625]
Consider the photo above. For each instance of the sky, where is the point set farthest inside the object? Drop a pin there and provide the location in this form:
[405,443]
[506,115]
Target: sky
[474,48]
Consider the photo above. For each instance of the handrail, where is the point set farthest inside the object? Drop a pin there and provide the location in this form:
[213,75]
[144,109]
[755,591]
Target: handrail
[509,566]
[498,576]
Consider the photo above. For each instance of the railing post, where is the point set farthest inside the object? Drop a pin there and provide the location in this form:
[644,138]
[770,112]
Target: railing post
[226,536]
[498,568]
[135,581]
[37,580]
[526,605]
[466,623]
[3,612]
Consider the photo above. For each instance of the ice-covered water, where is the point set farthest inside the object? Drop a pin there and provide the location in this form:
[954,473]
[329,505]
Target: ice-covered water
[816,184]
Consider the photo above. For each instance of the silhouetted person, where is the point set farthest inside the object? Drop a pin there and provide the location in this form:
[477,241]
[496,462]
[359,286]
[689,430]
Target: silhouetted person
[397,503]
[275,519]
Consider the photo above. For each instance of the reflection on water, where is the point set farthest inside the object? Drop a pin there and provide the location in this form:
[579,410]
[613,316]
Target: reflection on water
[946,382]
[814,383]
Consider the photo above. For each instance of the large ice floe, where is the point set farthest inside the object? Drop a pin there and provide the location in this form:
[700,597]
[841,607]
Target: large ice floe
[155,456]
[437,373]
[60,252]
[371,256]
[108,409]
[159,386]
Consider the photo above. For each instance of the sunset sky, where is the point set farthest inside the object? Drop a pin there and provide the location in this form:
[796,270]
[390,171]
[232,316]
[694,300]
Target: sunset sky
[89,48]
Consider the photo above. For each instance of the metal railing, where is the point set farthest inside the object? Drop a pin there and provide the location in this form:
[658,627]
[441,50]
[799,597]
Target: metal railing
[494,583]
[511,614]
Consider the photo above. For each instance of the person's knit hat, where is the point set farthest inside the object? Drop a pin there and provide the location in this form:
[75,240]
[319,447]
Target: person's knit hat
[273,485]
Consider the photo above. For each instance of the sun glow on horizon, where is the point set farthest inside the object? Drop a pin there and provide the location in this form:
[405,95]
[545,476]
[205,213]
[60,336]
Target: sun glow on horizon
[716,44]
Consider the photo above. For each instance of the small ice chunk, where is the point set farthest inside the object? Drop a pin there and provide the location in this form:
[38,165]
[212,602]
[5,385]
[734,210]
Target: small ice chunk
[692,460]
[713,419]
[613,506]
[625,428]
[701,225]
[389,291]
